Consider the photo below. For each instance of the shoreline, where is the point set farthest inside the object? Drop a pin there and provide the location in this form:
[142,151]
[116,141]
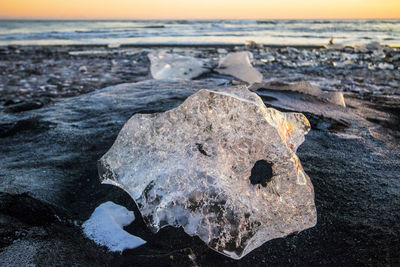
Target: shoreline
[161,45]
[205,45]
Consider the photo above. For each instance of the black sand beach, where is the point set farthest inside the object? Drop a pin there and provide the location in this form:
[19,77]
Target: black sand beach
[54,126]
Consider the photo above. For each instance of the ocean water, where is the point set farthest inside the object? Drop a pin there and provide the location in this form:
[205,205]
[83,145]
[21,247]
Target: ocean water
[274,32]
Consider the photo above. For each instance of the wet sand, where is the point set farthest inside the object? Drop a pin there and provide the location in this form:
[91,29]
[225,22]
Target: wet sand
[52,140]
[39,74]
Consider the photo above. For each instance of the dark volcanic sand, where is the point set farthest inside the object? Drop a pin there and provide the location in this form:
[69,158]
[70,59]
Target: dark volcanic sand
[49,148]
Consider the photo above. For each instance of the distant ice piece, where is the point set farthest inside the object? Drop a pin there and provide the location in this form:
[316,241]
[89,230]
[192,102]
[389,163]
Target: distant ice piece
[116,45]
[370,47]
[238,65]
[105,227]
[303,87]
[166,66]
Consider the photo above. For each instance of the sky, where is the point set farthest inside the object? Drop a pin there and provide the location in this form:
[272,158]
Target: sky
[199,9]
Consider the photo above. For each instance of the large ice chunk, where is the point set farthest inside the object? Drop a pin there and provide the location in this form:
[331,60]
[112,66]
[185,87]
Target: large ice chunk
[166,66]
[105,227]
[221,165]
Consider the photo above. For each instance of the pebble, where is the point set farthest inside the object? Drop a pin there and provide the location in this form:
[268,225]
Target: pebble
[83,69]
[344,64]
[222,51]
[385,66]
[114,46]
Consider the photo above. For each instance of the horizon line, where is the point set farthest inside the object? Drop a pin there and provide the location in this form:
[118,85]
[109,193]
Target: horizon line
[199,19]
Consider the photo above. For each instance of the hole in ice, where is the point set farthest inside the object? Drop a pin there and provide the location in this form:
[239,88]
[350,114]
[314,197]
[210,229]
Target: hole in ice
[201,149]
[261,173]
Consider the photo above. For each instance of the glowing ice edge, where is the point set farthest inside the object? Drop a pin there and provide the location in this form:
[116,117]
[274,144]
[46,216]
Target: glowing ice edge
[105,227]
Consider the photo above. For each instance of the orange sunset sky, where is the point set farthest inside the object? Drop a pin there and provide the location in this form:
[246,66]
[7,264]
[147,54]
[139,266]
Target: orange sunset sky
[199,9]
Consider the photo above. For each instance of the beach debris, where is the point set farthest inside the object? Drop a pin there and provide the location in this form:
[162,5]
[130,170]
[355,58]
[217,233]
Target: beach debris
[374,46]
[83,69]
[396,57]
[105,227]
[307,63]
[222,51]
[114,46]
[292,50]
[173,66]
[249,44]
[304,88]
[343,64]
[369,47]
[88,52]
[385,66]
[221,165]
[361,48]
[267,58]
[378,55]
[239,66]
[334,46]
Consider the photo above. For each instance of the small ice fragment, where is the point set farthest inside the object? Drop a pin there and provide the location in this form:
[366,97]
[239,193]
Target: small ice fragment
[83,69]
[116,45]
[173,66]
[105,227]
[238,65]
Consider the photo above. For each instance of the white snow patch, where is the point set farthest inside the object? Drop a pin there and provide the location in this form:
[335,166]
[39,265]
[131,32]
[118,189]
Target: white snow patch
[105,227]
